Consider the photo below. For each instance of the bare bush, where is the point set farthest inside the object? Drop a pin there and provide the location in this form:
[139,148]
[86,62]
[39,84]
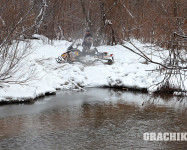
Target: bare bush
[17,23]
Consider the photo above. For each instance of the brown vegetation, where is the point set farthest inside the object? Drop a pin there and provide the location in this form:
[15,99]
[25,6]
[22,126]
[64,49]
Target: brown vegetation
[110,20]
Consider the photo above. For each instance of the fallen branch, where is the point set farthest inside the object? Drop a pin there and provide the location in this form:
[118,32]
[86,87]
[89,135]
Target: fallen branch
[80,88]
[141,54]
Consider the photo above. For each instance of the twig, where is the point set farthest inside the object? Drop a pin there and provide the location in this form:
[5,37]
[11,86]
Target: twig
[80,88]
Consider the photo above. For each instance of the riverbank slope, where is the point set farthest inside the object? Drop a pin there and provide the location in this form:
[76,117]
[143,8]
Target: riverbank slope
[48,76]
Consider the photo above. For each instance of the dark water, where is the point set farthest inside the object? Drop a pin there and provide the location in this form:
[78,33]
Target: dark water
[96,119]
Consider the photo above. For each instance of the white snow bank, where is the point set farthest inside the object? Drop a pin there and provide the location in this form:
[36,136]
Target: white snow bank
[129,70]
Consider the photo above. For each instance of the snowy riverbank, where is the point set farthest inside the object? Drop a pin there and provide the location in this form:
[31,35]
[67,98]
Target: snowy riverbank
[129,70]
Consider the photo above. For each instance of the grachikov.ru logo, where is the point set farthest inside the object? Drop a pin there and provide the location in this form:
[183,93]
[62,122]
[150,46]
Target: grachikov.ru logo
[165,136]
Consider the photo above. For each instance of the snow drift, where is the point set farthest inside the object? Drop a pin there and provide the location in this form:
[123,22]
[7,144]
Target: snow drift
[128,70]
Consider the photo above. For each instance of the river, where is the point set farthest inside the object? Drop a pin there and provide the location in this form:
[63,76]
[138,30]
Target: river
[96,119]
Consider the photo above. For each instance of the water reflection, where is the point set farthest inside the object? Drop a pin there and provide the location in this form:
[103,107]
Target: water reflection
[96,119]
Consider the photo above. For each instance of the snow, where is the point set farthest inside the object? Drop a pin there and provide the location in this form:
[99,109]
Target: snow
[129,70]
